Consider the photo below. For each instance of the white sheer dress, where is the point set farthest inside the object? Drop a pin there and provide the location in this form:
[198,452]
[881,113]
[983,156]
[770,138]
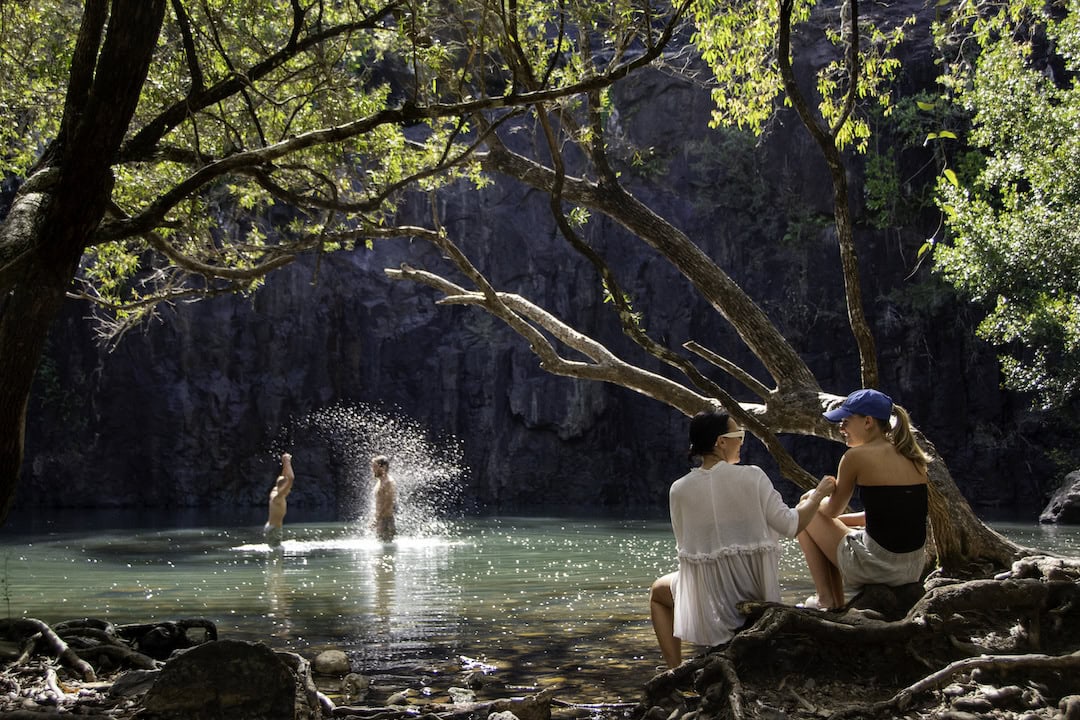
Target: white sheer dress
[727,521]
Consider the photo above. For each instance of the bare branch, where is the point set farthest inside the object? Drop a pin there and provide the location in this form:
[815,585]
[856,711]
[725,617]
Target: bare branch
[730,368]
[523,316]
[605,367]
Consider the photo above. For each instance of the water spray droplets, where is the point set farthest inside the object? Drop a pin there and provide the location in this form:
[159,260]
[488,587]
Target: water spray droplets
[428,471]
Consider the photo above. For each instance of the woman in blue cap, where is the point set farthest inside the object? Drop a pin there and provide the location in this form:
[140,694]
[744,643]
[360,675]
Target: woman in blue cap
[884,544]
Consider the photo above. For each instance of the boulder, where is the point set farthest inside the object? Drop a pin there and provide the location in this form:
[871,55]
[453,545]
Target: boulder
[1064,506]
[235,680]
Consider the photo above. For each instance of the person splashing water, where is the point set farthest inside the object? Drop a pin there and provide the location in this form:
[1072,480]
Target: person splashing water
[385,496]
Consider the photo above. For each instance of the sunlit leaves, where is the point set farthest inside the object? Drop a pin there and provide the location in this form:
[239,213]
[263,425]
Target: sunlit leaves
[36,41]
[738,41]
[1015,242]
[877,68]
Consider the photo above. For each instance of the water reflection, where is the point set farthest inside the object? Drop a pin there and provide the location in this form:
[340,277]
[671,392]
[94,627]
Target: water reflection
[278,605]
[548,601]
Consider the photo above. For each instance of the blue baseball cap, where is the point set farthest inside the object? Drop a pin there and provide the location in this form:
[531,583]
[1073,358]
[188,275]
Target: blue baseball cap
[862,402]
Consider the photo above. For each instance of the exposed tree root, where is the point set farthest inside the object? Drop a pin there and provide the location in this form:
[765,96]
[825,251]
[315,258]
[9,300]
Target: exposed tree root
[38,638]
[89,645]
[974,646]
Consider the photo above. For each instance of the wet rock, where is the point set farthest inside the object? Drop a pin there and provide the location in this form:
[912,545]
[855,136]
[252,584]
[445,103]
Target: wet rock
[480,681]
[307,701]
[231,679]
[398,698]
[532,707]
[355,687]
[461,695]
[656,713]
[1064,506]
[503,715]
[331,662]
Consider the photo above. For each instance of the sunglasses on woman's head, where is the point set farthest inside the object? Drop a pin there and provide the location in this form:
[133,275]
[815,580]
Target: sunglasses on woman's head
[734,434]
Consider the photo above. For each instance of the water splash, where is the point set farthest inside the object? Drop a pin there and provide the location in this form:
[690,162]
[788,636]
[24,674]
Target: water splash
[428,471]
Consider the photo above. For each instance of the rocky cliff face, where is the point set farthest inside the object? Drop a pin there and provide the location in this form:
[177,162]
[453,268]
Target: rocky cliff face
[193,411]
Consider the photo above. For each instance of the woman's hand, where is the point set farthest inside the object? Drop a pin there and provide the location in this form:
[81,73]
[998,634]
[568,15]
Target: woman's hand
[827,486]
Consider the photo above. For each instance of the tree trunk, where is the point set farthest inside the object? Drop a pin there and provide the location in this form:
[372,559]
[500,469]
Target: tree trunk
[959,537]
[56,213]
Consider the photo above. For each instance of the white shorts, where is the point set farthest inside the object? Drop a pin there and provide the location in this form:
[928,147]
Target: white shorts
[863,562]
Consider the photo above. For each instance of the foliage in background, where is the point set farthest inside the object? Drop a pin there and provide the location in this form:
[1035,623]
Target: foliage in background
[909,147]
[1013,239]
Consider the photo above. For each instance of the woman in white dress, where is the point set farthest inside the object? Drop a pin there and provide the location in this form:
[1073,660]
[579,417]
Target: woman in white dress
[727,519]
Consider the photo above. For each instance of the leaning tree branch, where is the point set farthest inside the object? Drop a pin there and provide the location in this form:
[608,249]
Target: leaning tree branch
[744,315]
[605,365]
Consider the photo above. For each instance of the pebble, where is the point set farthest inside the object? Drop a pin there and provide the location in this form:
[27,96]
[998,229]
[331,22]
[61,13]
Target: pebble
[331,662]
[1008,695]
[398,698]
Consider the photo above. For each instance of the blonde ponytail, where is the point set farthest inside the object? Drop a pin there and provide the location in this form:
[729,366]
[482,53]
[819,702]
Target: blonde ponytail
[903,439]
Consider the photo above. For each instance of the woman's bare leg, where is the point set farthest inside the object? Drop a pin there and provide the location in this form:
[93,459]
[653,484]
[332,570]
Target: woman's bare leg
[662,612]
[819,542]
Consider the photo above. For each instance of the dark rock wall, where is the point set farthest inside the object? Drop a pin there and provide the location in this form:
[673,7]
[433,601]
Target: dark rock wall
[193,411]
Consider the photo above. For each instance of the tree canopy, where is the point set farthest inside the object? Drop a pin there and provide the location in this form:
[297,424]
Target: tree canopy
[265,130]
